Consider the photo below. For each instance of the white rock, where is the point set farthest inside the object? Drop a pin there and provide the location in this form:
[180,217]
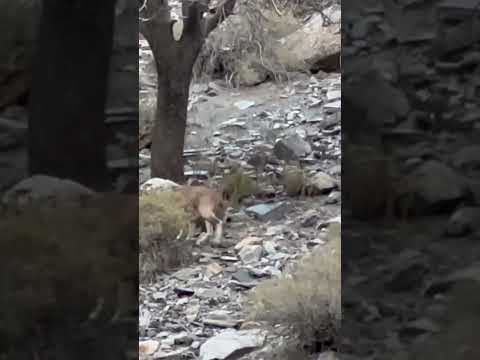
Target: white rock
[249,240]
[270,247]
[43,187]
[144,319]
[334,13]
[251,253]
[158,184]
[334,94]
[228,342]
[336,219]
[327,355]
[334,105]
[322,182]
[147,347]
[309,45]
[173,355]
[244,104]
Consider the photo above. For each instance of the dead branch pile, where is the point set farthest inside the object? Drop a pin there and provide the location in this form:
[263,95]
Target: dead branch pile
[241,50]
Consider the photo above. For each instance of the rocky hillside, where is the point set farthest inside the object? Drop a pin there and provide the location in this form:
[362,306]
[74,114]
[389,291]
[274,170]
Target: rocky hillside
[410,86]
[285,137]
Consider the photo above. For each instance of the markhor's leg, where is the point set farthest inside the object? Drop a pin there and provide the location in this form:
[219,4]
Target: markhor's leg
[191,230]
[218,233]
[206,235]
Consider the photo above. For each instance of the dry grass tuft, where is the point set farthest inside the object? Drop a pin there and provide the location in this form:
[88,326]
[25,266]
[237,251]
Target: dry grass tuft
[163,227]
[294,181]
[307,303]
[237,186]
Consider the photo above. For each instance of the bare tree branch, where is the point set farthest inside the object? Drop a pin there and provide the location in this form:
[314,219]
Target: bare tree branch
[192,11]
[222,11]
[196,25]
[175,61]
[154,16]
[142,5]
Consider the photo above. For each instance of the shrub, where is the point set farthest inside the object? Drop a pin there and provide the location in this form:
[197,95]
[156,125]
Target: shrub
[51,285]
[307,303]
[163,226]
[237,186]
[294,181]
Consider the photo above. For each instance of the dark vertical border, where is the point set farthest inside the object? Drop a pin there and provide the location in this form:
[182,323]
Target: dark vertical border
[69,255]
[410,176]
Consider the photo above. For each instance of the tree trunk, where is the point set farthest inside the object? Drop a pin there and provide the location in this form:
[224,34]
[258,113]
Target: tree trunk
[67,131]
[174,60]
[168,133]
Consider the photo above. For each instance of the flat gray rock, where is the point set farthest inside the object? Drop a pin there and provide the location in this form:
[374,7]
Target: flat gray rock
[230,343]
[292,148]
[265,212]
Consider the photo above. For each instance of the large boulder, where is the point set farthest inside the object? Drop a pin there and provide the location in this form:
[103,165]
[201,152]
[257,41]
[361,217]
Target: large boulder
[158,185]
[438,186]
[42,188]
[311,46]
